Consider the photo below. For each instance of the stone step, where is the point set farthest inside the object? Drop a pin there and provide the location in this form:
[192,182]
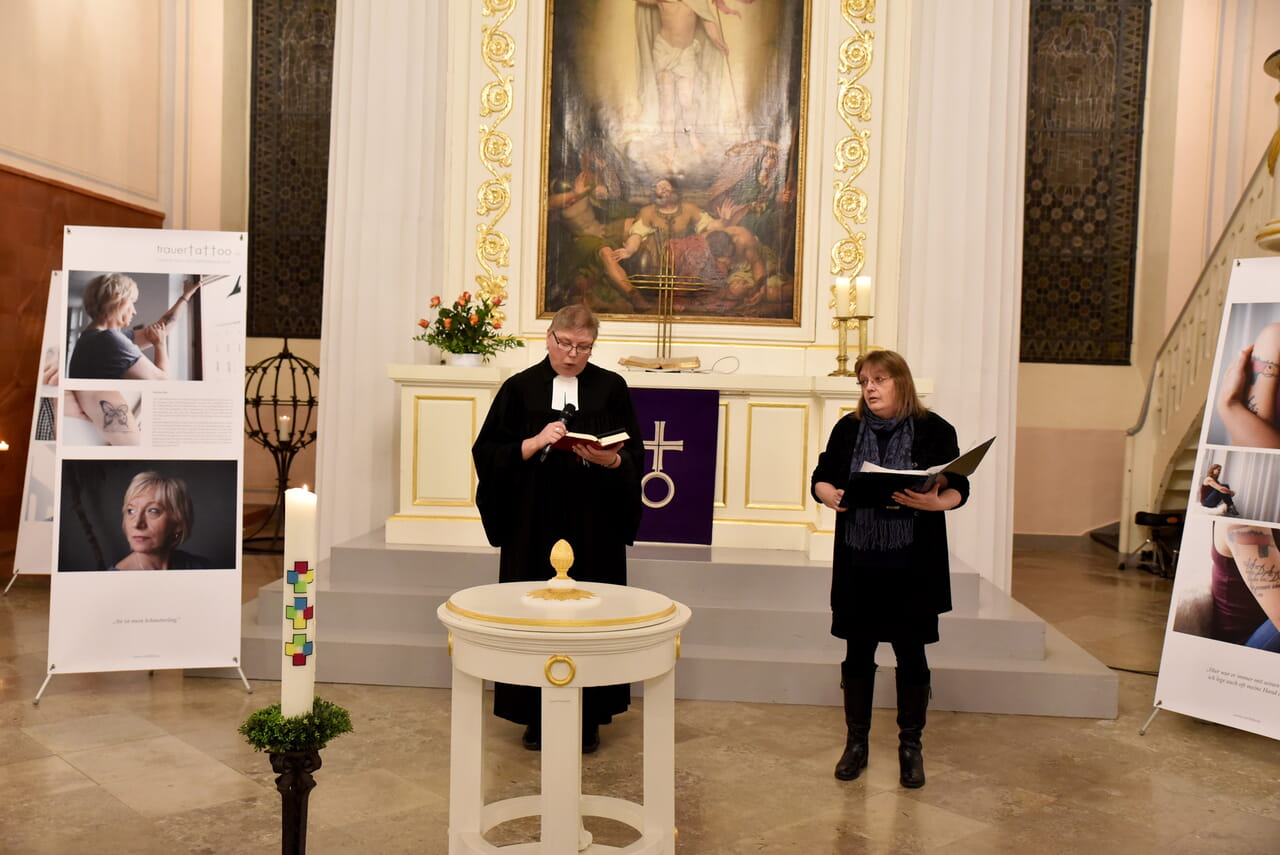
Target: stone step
[414,611]
[759,630]
[1067,682]
[694,576]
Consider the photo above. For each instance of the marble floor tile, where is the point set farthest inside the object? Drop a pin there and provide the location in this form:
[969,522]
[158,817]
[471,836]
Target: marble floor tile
[96,731]
[161,776]
[41,778]
[140,763]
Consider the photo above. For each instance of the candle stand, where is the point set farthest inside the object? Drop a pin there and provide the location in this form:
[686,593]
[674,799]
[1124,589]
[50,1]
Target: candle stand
[279,405]
[293,743]
[862,334]
[842,342]
[295,783]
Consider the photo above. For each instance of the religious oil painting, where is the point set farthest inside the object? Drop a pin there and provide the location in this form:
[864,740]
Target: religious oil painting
[672,159]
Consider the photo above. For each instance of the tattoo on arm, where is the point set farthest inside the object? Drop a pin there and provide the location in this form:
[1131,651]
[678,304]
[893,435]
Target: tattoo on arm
[115,419]
[1264,368]
[1259,576]
[1252,404]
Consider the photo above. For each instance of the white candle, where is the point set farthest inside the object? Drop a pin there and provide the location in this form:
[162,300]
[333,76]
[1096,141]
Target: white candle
[862,295]
[842,290]
[298,661]
[285,426]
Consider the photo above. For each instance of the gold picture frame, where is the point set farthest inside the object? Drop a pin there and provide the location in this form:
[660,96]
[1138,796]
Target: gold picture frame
[672,160]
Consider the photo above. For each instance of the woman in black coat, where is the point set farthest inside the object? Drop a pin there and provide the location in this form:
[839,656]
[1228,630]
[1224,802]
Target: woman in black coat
[890,577]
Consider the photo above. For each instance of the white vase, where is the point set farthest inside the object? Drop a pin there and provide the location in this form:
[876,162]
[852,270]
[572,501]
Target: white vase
[471,360]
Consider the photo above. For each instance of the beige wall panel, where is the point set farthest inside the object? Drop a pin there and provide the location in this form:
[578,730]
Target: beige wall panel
[444,427]
[1107,397]
[719,497]
[777,456]
[1069,481]
[81,83]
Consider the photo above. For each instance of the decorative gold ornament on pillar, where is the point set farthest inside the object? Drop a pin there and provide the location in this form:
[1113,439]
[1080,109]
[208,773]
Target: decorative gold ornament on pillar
[1269,237]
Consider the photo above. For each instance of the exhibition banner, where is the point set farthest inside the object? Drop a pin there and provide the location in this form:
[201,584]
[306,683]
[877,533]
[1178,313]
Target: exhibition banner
[33,554]
[1221,659]
[149,449]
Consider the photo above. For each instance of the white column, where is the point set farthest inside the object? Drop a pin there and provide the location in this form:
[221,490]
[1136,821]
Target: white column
[387,164]
[961,253]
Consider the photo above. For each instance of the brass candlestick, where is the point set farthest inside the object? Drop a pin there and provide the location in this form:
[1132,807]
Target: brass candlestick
[842,354]
[862,334]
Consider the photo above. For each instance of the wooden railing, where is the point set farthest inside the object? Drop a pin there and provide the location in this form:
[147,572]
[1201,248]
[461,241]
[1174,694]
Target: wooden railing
[1179,381]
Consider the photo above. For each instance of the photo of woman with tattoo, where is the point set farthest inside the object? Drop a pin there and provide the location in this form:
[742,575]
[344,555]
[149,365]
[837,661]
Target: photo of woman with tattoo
[1245,411]
[1234,595]
[109,326]
[1245,585]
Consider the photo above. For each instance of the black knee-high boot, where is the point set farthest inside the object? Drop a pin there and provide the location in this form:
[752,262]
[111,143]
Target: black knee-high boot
[859,684]
[913,701]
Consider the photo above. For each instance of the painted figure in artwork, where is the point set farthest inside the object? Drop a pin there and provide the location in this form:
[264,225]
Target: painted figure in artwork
[669,121]
[590,217]
[682,46]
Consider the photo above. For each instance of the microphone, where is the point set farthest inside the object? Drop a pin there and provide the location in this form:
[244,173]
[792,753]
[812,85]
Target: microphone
[565,415]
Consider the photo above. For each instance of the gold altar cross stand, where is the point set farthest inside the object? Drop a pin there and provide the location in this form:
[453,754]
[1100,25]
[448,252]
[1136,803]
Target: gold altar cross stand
[666,283]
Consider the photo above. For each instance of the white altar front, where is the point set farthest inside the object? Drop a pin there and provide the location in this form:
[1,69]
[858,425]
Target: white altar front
[771,430]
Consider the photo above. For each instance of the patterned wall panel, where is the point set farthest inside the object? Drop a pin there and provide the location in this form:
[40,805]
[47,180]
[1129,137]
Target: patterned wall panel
[1084,142]
[289,164]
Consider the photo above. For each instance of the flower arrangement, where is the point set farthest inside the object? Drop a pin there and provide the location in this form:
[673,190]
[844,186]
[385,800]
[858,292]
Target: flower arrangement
[466,326]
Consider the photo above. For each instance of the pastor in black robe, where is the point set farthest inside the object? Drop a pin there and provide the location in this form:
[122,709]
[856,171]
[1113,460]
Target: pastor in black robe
[528,505]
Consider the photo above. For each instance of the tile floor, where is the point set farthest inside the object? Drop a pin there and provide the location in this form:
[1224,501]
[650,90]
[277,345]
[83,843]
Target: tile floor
[130,763]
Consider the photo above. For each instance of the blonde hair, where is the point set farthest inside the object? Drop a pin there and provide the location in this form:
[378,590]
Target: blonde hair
[171,494]
[893,364]
[107,294]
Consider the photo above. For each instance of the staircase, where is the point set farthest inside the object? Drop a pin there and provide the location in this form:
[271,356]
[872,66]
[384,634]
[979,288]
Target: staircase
[1160,449]
[759,630]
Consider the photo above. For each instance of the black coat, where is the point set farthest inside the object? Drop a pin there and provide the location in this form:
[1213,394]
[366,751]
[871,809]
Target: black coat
[892,597]
[527,505]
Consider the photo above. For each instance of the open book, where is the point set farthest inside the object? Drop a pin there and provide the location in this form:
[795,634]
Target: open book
[873,486]
[662,363]
[571,440]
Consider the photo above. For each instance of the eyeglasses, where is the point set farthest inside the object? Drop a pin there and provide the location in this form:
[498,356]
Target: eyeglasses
[584,349]
[874,381]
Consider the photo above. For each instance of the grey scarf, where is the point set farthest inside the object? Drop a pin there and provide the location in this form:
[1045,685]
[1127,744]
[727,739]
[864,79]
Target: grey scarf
[880,529]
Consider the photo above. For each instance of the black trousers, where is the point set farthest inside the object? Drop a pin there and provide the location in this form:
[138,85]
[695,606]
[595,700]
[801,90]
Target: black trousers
[913,666]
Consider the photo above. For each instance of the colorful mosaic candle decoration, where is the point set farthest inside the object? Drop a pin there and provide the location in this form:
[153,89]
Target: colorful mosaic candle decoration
[298,662]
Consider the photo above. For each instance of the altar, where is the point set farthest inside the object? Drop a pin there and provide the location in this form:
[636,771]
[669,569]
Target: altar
[770,432]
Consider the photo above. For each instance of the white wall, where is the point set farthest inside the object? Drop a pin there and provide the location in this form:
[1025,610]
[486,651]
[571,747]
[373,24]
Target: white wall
[128,100]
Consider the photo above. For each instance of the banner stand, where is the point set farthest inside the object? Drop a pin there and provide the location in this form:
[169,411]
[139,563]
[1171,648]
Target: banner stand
[1142,731]
[13,579]
[1221,644]
[49,676]
[146,452]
